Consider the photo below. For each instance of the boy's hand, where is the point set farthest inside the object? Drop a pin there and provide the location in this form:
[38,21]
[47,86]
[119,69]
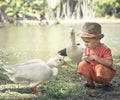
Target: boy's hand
[89,58]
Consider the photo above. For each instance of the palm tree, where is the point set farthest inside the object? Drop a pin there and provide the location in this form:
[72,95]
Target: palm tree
[71,9]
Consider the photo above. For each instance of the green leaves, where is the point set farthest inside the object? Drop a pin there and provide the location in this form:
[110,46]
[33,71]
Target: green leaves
[105,8]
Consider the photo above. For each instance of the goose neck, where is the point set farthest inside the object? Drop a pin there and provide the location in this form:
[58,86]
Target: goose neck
[54,71]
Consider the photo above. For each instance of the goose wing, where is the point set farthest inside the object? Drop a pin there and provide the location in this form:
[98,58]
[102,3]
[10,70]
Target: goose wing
[32,71]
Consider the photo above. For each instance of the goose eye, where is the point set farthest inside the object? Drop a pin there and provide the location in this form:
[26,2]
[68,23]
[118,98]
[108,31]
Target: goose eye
[60,59]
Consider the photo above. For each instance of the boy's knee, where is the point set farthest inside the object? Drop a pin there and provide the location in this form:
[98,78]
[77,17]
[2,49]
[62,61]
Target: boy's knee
[102,80]
[83,63]
[84,67]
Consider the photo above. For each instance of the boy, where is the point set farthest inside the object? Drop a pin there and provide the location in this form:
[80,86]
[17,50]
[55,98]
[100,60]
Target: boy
[97,62]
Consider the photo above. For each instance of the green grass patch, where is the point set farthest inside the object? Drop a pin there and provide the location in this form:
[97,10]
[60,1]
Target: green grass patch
[66,86]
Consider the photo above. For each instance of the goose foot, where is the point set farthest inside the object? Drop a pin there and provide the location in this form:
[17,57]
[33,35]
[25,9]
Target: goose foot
[35,90]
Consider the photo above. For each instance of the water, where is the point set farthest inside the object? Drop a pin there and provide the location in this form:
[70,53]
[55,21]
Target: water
[21,43]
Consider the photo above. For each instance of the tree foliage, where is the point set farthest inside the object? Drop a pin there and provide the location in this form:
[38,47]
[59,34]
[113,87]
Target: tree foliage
[107,8]
[59,9]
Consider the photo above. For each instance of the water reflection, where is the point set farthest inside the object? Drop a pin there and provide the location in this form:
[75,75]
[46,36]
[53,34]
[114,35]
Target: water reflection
[18,44]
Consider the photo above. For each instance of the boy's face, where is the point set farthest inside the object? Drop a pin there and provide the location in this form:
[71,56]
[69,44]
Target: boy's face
[91,43]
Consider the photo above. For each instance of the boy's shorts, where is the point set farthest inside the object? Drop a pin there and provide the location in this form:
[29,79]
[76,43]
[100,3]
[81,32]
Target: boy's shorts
[94,72]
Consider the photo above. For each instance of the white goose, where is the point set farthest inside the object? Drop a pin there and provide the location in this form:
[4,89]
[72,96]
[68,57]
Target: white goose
[33,72]
[74,51]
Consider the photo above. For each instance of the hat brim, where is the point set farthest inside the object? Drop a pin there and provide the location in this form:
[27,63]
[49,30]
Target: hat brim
[87,35]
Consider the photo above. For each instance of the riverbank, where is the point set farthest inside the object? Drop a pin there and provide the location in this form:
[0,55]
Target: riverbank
[99,20]
[70,21]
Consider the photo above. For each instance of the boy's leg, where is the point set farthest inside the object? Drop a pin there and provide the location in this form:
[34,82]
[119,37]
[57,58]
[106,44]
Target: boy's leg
[85,69]
[103,74]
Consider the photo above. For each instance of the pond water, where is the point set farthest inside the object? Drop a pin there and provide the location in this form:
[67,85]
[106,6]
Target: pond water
[20,43]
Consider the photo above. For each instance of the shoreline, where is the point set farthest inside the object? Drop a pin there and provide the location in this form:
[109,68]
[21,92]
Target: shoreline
[99,20]
[71,21]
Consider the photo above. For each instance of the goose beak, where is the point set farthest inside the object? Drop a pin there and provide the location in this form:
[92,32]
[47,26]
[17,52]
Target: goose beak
[71,31]
[71,35]
[66,64]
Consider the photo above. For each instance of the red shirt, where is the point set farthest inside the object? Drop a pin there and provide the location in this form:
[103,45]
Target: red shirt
[102,51]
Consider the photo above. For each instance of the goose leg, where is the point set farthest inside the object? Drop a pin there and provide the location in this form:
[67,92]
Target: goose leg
[35,89]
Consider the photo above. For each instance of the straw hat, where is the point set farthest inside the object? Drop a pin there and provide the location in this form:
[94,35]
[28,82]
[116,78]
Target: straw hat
[91,30]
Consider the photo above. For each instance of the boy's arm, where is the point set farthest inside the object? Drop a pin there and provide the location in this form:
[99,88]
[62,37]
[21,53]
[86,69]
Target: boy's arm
[104,61]
[101,60]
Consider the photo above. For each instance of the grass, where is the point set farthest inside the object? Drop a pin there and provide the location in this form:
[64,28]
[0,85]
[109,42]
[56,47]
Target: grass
[66,86]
